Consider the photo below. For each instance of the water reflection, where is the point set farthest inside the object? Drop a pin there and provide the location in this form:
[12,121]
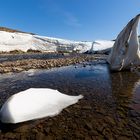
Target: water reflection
[124,89]
[15,57]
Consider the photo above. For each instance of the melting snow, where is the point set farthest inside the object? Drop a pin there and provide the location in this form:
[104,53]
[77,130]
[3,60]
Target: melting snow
[35,103]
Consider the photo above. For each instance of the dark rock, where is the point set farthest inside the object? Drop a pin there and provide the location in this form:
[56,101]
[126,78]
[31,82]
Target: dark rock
[88,125]
[41,136]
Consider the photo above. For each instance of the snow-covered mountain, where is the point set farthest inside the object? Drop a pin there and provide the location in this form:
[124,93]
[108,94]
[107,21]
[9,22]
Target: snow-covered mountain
[12,40]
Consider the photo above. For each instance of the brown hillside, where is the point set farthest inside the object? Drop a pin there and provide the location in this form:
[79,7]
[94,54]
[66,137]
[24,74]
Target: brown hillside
[11,30]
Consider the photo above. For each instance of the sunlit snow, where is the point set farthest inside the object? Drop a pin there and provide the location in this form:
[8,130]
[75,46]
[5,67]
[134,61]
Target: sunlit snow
[23,41]
[35,103]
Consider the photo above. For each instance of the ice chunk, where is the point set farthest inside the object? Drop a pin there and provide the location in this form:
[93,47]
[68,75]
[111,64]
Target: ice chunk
[126,50]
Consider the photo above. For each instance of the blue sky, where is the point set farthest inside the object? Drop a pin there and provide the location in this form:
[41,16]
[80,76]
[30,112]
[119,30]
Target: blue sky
[70,19]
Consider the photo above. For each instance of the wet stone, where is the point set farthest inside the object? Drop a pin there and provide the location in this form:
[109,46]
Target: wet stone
[124,138]
[87,107]
[88,126]
[134,126]
[109,120]
[133,113]
[137,136]
[10,135]
[127,133]
[41,136]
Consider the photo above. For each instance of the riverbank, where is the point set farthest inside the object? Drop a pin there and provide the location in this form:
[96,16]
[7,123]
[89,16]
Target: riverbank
[26,64]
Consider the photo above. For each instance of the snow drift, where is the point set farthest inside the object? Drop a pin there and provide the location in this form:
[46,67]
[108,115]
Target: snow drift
[10,41]
[34,104]
[126,50]
[101,46]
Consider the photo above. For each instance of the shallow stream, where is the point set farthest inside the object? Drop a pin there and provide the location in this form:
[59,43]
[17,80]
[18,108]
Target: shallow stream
[110,108]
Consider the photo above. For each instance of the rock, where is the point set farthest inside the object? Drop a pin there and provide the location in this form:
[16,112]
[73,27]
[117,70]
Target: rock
[107,134]
[133,113]
[47,130]
[41,136]
[136,136]
[17,69]
[134,126]
[88,125]
[10,135]
[24,129]
[123,138]
[87,107]
[109,120]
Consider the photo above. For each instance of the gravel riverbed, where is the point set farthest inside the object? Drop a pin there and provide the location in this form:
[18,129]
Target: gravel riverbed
[26,64]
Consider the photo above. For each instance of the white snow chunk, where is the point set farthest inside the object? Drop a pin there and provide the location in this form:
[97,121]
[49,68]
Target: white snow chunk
[35,103]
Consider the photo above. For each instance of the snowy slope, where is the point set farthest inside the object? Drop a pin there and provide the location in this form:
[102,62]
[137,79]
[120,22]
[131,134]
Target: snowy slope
[23,41]
[100,45]
[65,45]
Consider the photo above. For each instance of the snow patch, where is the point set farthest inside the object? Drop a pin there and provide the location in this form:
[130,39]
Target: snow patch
[35,103]
[102,45]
